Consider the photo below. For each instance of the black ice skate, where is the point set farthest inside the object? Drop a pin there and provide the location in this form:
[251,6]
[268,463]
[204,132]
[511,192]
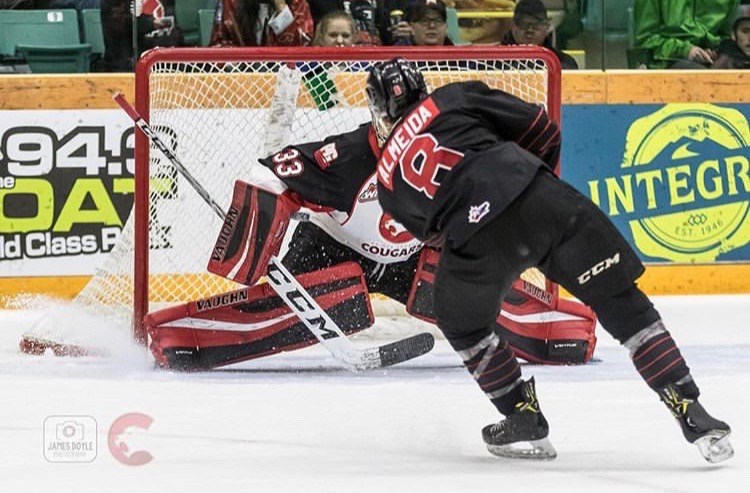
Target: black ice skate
[523,434]
[710,435]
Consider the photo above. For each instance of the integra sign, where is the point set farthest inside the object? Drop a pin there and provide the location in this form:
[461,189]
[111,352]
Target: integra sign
[684,185]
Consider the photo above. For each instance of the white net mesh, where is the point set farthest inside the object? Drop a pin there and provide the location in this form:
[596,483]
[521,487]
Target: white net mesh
[219,118]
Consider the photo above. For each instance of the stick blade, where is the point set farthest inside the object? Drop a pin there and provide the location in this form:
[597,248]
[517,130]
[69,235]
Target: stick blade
[30,344]
[406,349]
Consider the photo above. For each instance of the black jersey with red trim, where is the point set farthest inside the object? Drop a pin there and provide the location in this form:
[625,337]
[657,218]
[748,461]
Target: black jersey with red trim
[327,175]
[336,177]
[460,157]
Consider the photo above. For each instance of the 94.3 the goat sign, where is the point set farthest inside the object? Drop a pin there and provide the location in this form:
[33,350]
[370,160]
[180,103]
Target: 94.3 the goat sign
[66,189]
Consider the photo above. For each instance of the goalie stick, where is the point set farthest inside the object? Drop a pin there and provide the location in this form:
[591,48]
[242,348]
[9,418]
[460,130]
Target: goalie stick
[291,291]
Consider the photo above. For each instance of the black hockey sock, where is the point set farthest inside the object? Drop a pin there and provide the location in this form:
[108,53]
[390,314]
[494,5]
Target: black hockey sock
[659,361]
[495,368]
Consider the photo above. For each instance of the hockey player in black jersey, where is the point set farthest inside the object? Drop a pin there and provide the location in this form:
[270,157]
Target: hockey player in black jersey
[349,248]
[452,172]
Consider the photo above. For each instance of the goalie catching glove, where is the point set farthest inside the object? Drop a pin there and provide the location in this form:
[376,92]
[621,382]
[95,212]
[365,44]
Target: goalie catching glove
[539,328]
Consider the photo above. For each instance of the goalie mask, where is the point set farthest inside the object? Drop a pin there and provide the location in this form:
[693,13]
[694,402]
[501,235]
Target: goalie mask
[392,88]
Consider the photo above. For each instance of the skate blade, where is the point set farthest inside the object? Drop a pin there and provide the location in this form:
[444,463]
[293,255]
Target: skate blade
[715,446]
[534,449]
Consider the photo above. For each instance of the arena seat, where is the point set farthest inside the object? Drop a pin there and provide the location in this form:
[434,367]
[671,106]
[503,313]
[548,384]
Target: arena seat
[187,18]
[49,40]
[454,33]
[206,23]
[92,30]
[59,59]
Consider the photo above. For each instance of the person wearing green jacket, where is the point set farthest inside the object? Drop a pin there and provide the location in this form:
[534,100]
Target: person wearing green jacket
[682,33]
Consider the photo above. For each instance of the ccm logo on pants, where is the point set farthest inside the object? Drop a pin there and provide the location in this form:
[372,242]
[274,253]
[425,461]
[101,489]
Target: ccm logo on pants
[599,268]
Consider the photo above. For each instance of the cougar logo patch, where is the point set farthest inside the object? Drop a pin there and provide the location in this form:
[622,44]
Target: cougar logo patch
[392,230]
[477,212]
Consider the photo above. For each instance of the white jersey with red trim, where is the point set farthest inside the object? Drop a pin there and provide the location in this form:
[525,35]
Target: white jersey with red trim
[368,230]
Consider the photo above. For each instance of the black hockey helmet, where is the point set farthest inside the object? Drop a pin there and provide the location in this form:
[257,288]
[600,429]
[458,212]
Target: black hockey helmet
[392,87]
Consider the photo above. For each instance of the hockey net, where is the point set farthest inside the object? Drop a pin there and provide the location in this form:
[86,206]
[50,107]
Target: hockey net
[222,109]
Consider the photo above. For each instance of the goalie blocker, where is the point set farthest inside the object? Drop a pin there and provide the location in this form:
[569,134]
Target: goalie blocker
[253,230]
[539,328]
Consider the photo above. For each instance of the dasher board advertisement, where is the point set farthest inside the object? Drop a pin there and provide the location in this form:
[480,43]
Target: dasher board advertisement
[674,178]
[66,189]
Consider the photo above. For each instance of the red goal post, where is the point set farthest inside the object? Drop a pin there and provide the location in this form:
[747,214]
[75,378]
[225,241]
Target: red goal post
[222,108]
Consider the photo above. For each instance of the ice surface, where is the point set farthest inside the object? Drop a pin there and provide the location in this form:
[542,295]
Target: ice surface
[297,422]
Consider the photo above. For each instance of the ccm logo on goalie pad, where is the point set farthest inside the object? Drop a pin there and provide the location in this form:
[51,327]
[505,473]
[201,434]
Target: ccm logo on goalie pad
[599,268]
[305,307]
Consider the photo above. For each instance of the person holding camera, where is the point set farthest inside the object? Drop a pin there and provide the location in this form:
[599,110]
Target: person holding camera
[155,27]
[428,23]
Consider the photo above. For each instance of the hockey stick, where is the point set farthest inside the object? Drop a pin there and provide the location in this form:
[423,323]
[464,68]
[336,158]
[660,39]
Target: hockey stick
[328,333]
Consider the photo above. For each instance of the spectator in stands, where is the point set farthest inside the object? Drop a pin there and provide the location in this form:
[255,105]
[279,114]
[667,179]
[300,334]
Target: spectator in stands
[336,28]
[682,34]
[371,17]
[428,22]
[262,23]
[117,27]
[734,53]
[155,28]
[531,26]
